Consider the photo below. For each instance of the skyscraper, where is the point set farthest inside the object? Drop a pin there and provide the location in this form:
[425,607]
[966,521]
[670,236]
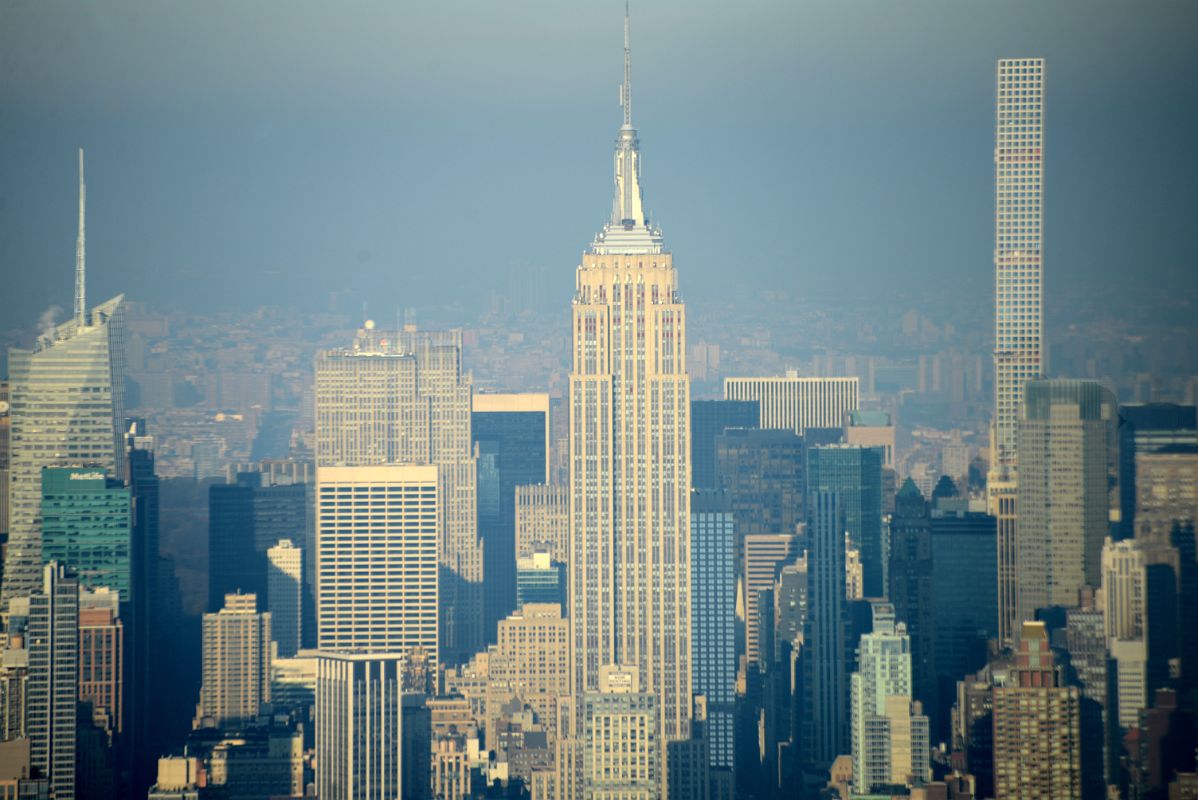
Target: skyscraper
[102,658]
[67,398]
[855,475]
[54,678]
[1018,265]
[791,402]
[236,663]
[889,734]
[543,521]
[1037,732]
[245,519]
[148,625]
[377,567]
[401,397]
[1066,438]
[359,720]
[283,595]
[713,619]
[764,557]
[86,526]
[964,601]
[825,733]
[911,589]
[629,404]
[1147,429]
[762,472]
[709,419]
[619,743]
[511,432]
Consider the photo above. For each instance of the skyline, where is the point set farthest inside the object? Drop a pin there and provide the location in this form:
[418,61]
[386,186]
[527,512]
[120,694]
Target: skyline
[909,554]
[876,136]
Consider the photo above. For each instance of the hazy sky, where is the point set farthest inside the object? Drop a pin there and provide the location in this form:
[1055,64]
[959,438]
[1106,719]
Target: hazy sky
[248,153]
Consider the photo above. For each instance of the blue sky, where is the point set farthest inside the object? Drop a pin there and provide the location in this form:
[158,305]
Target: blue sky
[250,153]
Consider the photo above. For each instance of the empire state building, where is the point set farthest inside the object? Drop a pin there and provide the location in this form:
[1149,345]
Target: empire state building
[630,560]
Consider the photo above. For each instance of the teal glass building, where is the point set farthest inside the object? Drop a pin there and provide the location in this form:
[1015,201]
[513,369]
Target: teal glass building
[86,526]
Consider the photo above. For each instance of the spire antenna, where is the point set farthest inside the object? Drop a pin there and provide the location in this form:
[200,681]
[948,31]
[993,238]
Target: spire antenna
[80,252]
[626,94]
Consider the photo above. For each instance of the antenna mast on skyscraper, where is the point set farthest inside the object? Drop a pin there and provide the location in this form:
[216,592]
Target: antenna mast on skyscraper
[626,92]
[80,266]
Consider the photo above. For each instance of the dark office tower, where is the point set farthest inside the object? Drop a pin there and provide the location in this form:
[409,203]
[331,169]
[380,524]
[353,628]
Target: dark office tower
[713,622]
[232,565]
[825,725]
[965,600]
[911,590]
[245,519]
[285,472]
[1148,428]
[54,678]
[762,472]
[1066,439]
[511,432]
[1085,643]
[146,634]
[709,419]
[86,519]
[417,747]
[855,474]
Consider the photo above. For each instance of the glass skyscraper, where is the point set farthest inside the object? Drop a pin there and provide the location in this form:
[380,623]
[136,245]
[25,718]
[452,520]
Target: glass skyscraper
[87,527]
[854,474]
[511,432]
[67,406]
[709,419]
[713,618]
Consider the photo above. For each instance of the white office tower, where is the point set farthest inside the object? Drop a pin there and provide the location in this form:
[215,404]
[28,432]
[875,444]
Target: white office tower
[376,551]
[619,744]
[1019,221]
[1124,590]
[359,719]
[890,733]
[235,663]
[67,397]
[284,565]
[629,402]
[52,690]
[791,402]
[401,398]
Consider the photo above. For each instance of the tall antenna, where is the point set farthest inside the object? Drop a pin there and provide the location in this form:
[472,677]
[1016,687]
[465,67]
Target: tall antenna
[626,93]
[80,251]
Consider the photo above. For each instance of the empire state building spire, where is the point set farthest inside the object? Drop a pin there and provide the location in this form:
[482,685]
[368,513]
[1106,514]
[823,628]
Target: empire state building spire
[627,214]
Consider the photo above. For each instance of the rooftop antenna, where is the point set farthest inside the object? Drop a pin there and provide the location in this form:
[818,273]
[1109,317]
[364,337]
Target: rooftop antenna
[80,249]
[626,90]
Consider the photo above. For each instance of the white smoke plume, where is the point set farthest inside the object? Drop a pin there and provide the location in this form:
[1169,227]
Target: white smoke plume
[46,321]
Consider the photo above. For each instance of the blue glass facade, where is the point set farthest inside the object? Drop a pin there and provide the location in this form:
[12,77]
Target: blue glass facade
[709,419]
[86,526]
[713,618]
[512,450]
